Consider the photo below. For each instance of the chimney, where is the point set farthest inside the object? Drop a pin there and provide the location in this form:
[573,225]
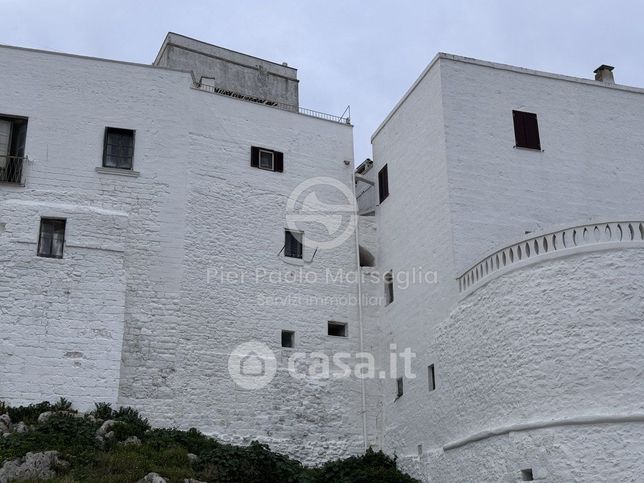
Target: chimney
[604,73]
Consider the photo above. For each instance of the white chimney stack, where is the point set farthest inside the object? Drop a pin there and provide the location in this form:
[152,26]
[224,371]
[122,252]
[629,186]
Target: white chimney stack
[604,73]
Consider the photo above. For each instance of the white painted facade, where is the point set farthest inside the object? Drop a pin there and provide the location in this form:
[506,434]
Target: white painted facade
[135,313]
[538,357]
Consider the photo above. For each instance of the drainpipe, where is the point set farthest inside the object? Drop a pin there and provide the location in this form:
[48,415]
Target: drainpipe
[360,319]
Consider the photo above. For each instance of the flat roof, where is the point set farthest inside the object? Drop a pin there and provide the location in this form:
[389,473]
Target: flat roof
[499,66]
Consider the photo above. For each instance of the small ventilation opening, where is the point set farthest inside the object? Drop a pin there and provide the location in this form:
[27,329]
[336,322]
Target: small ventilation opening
[337,329]
[366,258]
[526,475]
[288,338]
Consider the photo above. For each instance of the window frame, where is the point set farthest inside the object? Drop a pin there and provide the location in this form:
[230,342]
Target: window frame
[383,184]
[526,130]
[431,377]
[266,151]
[389,287]
[118,130]
[278,159]
[300,243]
[39,249]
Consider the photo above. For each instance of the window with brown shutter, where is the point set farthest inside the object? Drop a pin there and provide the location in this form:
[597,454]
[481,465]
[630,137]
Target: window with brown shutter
[383,184]
[526,130]
[266,159]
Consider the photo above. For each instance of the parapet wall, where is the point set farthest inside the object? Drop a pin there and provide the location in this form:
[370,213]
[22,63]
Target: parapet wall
[541,369]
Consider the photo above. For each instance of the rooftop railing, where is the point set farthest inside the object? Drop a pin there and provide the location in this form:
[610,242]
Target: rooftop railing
[345,118]
[561,242]
[11,169]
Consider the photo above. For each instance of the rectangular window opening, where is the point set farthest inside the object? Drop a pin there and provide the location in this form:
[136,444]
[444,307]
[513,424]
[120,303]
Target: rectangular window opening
[293,244]
[288,338]
[266,159]
[383,184]
[51,240]
[526,130]
[337,329]
[13,136]
[118,150]
[526,475]
[389,288]
[399,387]
[431,378]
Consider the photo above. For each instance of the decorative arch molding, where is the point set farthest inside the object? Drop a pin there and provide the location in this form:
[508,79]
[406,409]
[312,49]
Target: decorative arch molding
[554,244]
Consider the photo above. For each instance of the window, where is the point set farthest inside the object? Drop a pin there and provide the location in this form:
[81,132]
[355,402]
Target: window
[288,338]
[13,136]
[118,150]
[337,329]
[293,244]
[399,387]
[430,376]
[267,159]
[383,183]
[389,288]
[52,238]
[526,130]
[526,475]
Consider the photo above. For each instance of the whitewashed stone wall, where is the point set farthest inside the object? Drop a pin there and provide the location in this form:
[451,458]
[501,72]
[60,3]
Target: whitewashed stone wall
[458,190]
[554,348]
[130,314]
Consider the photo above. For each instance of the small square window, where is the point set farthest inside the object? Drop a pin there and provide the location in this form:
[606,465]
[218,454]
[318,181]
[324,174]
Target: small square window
[399,387]
[383,184]
[266,160]
[526,130]
[526,475]
[51,240]
[293,244]
[118,150]
[430,377]
[288,338]
[337,329]
[389,288]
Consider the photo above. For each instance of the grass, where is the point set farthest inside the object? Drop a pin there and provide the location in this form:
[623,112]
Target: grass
[165,451]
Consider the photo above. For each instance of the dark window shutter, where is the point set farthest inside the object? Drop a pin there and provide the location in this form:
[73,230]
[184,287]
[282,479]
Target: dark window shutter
[532,131]
[526,130]
[519,129]
[383,183]
[278,161]
[254,157]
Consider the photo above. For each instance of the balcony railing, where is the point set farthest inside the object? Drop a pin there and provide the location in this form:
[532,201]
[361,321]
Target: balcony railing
[345,118]
[562,242]
[11,169]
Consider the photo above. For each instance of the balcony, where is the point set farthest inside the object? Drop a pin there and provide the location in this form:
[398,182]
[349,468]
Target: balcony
[11,170]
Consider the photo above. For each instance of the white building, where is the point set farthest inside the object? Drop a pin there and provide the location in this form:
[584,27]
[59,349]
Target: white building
[531,345]
[144,215]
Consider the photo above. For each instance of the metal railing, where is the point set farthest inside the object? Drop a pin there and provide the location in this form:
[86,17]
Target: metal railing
[562,241]
[11,169]
[343,119]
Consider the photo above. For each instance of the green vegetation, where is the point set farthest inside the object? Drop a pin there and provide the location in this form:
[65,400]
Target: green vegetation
[168,452]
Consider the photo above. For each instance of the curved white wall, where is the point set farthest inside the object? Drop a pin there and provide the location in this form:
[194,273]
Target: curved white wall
[556,349]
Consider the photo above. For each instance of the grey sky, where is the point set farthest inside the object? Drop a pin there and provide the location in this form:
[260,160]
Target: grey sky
[365,54]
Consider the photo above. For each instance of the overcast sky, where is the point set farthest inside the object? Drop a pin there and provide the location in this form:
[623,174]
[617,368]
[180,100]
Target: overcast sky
[363,53]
